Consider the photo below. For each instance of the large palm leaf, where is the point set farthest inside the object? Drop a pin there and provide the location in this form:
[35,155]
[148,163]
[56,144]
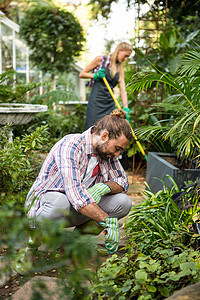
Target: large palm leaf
[184,134]
[183,101]
[181,85]
[191,63]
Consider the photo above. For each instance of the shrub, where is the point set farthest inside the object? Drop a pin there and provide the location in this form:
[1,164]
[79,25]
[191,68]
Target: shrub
[54,36]
[140,277]
[60,123]
[18,94]
[161,256]
[18,163]
[66,251]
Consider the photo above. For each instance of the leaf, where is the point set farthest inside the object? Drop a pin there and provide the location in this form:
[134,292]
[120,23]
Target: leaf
[127,285]
[33,143]
[152,268]
[164,275]
[141,275]
[151,289]
[184,273]
[164,291]
[196,235]
[143,264]
[174,277]
[187,266]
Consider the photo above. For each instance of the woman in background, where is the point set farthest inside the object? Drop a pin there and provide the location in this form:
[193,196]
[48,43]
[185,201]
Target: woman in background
[100,102]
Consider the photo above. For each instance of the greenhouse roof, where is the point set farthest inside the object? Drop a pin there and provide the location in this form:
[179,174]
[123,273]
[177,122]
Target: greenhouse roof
[9,23]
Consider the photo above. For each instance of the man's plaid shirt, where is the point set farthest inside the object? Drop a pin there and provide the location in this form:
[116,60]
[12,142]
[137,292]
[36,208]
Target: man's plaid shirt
[64,170]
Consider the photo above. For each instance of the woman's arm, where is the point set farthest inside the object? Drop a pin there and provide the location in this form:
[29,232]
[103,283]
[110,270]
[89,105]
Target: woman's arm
[123,91]
[85,73]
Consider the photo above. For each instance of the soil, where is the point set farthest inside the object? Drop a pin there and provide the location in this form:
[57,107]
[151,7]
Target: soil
[182,165]
[16,282]
[172,160]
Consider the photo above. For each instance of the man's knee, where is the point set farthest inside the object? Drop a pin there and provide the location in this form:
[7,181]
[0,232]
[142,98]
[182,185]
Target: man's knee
[117,205]
[53,205]
[126,204]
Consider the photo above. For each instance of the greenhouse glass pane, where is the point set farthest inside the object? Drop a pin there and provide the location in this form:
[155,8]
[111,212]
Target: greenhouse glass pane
[67,82]
[21,56]
[6,48]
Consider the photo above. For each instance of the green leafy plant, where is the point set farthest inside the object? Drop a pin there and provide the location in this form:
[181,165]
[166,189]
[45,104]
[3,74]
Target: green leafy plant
[183,103]
[160,219]
[18,163]
[54,36]
[139,276]
[10,94]
[53,98]
[63,250]
[161,256]
[60,122]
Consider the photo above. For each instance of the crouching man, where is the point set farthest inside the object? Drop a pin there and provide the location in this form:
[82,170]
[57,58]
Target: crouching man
[82,179]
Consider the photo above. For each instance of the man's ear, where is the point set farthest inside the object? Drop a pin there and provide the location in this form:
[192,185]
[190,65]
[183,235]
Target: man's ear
[104,135]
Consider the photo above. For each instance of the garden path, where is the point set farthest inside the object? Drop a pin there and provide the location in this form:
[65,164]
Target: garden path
[16,287]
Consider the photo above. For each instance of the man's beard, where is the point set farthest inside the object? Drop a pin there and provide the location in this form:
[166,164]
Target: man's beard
[102,155]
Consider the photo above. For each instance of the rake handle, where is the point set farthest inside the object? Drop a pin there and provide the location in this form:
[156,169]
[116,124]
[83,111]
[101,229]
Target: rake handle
[118,106]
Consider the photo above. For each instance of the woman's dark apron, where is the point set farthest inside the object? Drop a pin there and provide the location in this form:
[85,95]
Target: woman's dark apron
[100,102]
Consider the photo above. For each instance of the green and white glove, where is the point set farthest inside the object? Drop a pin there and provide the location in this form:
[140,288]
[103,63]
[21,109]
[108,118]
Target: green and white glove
[98,190]
[99,74]
[127,110]
[111,234]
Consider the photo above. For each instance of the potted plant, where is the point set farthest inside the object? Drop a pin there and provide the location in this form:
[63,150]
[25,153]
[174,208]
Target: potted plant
[180,129]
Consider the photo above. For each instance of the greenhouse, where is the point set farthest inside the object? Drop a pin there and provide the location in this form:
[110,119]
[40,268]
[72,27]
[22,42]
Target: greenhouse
[14,54]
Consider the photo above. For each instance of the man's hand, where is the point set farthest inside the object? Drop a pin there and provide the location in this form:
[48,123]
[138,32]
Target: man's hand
[99,74]
[111,234]
[98,190]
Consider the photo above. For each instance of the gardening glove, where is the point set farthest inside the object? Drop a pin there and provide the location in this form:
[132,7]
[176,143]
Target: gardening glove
[99,74]
[111,232]
[98,190]
[127,110]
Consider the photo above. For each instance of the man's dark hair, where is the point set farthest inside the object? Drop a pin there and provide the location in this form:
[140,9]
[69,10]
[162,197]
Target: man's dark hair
[116,125]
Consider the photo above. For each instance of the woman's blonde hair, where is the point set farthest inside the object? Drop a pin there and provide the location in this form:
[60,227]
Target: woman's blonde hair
[117,67]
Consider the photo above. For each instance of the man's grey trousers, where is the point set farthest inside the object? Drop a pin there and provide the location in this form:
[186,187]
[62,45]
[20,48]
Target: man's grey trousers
[55,205]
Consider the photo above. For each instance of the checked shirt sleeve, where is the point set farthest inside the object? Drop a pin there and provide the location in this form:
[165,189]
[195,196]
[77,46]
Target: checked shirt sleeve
[113,171]
[68,161]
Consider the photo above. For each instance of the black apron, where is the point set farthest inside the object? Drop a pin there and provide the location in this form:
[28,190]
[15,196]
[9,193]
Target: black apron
[100,102]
